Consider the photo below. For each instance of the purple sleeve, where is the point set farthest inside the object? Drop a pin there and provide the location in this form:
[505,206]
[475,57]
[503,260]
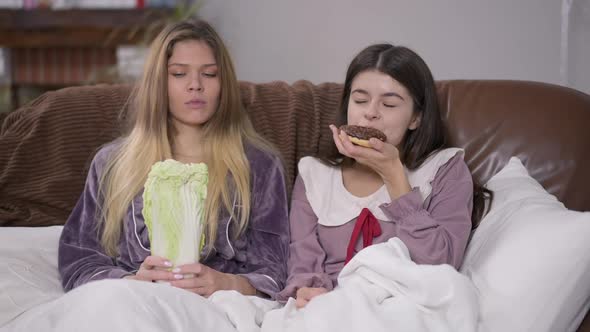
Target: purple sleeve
[306,256]
[81,257]
[437,233]
[268,230]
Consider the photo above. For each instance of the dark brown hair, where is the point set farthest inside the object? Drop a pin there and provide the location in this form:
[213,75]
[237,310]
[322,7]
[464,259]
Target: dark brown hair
[408,68]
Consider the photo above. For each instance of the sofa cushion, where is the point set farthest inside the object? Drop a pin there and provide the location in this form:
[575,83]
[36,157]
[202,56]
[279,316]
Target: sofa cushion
[46,148]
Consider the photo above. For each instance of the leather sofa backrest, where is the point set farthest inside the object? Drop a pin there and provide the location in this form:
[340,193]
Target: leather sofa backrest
[46,146]
[546,126]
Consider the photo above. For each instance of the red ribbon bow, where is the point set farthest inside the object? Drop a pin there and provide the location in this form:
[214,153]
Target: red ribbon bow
[369,226]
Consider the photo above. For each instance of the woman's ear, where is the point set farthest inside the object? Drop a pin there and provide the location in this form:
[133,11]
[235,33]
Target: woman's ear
[415,123]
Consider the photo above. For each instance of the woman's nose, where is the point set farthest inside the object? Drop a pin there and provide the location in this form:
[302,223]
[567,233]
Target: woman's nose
[195,84]
[371,112]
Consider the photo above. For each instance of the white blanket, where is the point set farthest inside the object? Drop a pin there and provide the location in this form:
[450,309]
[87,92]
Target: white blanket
[128,305]
[28,269]
[380,289]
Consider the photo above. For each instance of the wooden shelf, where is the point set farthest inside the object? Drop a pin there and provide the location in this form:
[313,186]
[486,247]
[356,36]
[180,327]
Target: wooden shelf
[45,31]
[76,27]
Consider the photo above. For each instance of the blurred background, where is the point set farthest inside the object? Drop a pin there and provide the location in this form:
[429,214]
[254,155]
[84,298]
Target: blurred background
[51,44]
[47,45]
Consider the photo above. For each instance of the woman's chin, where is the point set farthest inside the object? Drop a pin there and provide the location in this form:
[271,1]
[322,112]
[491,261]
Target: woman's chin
[191,121]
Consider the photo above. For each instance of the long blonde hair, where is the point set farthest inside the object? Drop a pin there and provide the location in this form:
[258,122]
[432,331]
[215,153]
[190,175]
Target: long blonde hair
[149,139]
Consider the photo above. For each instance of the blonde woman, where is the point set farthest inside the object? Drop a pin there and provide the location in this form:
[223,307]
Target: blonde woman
[187,108]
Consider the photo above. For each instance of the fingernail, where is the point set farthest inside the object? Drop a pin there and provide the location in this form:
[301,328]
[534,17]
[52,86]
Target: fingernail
[176,270]
[167,263]
[178,276]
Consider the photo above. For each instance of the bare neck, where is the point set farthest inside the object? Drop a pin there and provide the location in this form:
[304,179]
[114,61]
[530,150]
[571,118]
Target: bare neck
[361,180]
[188,144]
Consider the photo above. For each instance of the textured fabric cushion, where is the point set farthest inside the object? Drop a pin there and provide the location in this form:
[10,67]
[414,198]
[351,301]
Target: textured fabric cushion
[294,117]
[46,147]
[529,258]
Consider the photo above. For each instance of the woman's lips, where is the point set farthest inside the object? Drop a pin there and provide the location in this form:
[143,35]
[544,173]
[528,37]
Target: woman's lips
[196,103]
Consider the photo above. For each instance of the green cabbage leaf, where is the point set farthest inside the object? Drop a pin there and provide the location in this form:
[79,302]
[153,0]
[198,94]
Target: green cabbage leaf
[173,203]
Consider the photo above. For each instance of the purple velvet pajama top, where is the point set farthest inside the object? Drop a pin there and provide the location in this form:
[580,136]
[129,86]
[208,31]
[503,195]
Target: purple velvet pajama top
[259,254]
[435,230]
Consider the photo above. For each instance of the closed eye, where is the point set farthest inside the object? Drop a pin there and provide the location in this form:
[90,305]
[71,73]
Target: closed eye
[389,106]
[178,74]
[360,101]
[210,74]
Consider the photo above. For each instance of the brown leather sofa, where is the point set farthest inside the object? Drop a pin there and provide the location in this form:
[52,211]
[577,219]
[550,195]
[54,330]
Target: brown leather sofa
[46,146]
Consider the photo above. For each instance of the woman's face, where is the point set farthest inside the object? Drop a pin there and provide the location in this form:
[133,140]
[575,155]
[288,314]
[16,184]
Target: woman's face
[378,101]
[193,84]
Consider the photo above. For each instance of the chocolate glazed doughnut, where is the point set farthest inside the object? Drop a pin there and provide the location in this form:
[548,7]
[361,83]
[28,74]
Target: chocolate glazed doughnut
[360,135]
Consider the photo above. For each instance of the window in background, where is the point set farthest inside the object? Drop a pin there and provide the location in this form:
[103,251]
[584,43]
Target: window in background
[575,44]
